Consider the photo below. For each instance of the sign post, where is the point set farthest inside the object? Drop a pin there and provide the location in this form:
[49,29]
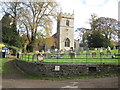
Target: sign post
[4,51]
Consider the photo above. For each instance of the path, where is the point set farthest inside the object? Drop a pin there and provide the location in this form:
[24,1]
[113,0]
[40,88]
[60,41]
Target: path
[16,79]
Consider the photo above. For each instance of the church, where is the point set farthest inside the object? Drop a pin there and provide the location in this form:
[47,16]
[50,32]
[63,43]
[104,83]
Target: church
[65,32]
[63,39]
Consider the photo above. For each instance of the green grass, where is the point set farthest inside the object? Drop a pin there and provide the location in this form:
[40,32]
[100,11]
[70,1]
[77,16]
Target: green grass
[80,59]
[4,67]
[61,78]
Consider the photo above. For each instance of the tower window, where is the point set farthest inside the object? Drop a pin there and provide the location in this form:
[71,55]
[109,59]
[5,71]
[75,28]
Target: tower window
[67,43]
[67,22]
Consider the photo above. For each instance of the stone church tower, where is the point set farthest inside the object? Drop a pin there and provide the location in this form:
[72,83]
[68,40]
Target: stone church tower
[65,31]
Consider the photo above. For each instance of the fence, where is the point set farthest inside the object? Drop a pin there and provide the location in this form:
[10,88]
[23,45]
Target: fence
[86,58]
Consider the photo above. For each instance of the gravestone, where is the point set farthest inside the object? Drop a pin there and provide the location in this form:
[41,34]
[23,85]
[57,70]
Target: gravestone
[96,49]
[58,56]
[88,53]
[93,54]
[72,55]
[108,53]
[44,55]
[101,54]
[101,49]
[108,48]
[49,56]
[114,48]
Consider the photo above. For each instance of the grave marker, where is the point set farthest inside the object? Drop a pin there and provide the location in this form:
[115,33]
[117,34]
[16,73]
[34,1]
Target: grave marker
[101,54]
[93,54]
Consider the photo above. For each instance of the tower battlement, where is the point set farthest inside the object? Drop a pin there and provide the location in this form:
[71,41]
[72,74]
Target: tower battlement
[66,15]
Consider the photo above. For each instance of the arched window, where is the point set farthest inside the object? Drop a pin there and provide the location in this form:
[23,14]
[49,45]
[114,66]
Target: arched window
[67,22]
[67,43]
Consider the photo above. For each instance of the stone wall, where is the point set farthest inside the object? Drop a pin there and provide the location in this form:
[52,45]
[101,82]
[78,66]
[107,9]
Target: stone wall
[57,70]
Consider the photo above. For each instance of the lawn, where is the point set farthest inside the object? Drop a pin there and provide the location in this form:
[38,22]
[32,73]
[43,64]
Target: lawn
[3,66]
[79,59]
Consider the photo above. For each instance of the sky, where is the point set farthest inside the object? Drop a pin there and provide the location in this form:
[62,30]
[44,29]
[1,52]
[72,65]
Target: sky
[83,9]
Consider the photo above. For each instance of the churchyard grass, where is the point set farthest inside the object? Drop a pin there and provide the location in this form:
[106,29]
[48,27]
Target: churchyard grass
[79,59]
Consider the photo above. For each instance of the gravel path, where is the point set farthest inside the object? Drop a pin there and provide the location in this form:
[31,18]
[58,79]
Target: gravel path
[16,79]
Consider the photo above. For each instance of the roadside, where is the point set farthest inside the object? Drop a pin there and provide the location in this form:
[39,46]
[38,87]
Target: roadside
[16,79]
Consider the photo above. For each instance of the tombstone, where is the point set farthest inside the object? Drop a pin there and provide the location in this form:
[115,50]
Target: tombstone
[49,56]
[93,54]
[101,54]
[108,53]
[44,55]
[48,51]
[96,49]
[114,48]
[108,48]
[88,53]
[101,49]
[72,55]
[58,56]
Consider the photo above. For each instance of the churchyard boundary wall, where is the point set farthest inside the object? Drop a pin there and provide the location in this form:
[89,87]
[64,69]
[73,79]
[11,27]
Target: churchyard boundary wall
[58,70]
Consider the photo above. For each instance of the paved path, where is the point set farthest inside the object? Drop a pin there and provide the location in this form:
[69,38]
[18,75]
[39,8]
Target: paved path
[16,79]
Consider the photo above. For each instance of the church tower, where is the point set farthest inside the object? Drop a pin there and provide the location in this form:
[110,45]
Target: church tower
[65,31]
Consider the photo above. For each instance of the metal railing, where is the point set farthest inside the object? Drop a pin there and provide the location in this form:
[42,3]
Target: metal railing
[73,58]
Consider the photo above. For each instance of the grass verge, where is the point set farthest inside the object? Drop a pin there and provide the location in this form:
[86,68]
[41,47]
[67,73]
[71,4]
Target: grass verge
[4,67]
[35,77]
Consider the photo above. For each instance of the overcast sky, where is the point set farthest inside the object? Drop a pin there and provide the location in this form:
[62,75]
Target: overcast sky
[84,8]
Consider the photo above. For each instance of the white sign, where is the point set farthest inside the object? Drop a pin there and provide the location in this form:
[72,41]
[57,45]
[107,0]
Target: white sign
[57,68]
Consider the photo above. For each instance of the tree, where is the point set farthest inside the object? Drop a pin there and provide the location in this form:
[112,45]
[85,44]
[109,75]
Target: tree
[97,40]
[9,36]
[36,17]
[9,24]
[105,27]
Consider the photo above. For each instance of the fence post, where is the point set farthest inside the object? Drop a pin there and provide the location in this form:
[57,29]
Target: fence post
[37,58]
[33,57]
[22,56]
[28,57]
[86,58]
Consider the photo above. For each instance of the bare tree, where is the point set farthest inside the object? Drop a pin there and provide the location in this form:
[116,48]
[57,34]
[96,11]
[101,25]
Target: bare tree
[36,17]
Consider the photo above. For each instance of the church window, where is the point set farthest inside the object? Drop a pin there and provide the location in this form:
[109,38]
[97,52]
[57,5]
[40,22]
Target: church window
[67,22]
[67,43]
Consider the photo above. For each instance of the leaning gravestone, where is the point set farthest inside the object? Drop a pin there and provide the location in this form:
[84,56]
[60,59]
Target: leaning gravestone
[93,54]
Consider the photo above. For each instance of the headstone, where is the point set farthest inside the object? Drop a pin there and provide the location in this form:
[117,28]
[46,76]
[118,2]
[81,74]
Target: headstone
[44,55]
[108,48]
[93,54]
[114,48]
[101,54]
[87,53]
[48,55]
[48,51]
[96,49]
[58,56]
[108,53]
[101,49]
[72,55]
